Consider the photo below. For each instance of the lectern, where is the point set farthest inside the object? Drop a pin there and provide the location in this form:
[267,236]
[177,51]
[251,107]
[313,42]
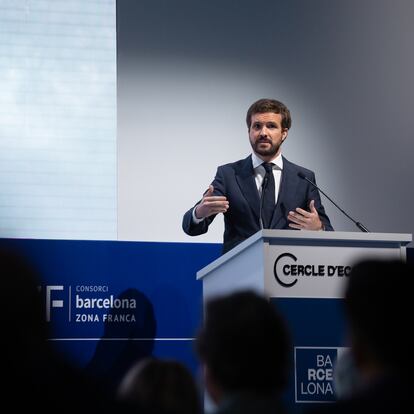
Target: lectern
[304,272]
[287,263]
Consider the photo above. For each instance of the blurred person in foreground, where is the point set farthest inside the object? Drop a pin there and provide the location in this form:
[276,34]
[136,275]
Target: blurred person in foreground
[379,312]
[34,374]
[160,386]
[245,350]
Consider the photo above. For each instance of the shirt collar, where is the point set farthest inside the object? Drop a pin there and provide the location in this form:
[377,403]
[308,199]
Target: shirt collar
[278,161]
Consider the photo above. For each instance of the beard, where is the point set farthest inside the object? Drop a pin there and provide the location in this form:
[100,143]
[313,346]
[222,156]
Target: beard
[265,152]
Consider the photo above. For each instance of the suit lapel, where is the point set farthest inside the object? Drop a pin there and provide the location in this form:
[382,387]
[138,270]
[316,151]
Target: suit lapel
[246,181]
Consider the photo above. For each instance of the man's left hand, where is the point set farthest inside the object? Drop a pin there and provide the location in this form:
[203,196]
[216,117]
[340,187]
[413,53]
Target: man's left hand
[305,220]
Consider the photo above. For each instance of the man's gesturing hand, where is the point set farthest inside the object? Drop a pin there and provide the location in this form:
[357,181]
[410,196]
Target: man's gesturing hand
[211,204]
[305,220]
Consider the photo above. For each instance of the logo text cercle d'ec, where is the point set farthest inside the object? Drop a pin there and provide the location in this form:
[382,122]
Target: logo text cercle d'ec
[294,270]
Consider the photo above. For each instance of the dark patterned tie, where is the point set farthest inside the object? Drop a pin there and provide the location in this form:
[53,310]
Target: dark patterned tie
[268,194]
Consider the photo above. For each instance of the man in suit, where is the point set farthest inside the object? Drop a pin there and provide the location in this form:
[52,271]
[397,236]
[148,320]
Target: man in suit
[237,189]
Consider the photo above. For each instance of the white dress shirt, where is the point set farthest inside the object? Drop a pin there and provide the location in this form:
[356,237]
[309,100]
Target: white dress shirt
[259,172]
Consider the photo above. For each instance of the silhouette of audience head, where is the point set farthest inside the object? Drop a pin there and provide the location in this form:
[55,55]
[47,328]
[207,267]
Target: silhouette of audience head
[379,316]
[142,325]
[160,386]
[379,312]
[34,373]
[244,346]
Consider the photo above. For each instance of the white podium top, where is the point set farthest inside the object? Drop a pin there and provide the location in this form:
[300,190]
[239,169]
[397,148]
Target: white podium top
[338,238]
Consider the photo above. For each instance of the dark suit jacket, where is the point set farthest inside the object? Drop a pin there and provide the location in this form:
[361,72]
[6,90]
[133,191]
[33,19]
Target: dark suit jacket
[236,181]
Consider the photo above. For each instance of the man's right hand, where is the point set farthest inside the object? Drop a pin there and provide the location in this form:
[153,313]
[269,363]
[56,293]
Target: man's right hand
[211,204]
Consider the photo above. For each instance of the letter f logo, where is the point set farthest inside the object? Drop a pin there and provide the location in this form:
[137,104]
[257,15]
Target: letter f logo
[54,303]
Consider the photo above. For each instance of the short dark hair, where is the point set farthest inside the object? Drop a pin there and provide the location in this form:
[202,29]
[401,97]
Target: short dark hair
[161,386]
[269,105]
[378,304]
[245,344]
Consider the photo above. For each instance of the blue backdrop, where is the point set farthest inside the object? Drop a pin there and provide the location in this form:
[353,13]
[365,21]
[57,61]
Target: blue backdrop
[109,303]
[110,299]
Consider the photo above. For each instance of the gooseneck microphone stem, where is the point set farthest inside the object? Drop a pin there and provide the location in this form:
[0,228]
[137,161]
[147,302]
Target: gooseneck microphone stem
[357,223]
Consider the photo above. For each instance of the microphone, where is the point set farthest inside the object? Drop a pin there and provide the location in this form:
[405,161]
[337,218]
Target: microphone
[264,185]
[357,223]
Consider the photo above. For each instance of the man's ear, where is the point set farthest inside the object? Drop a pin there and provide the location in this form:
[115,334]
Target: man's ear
[213,389]
[361,353]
